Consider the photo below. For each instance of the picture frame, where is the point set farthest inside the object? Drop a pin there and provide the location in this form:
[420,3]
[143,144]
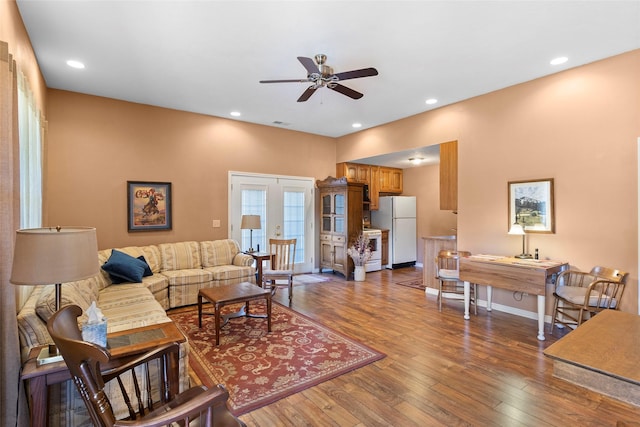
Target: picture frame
[531,205]
[148,206]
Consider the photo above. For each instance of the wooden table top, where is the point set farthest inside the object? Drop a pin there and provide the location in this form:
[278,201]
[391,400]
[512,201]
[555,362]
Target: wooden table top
[608,343]
[237,292]
[120,344]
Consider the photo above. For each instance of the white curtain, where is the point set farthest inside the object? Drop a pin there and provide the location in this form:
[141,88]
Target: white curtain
[30,136]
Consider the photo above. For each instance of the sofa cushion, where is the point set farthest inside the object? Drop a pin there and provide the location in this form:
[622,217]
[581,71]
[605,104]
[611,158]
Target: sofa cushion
[125,268]
[116,303]
[223,273]
[180,256]
[218,252]
[190,276]
[81,293]
[151,255]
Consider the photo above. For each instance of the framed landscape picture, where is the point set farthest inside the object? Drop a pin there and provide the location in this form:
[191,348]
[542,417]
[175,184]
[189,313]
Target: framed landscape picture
[148,205]
[531,205]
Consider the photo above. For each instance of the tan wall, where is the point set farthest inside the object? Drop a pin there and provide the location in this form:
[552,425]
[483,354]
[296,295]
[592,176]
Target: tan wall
[579,127]
[423,182]
[98,144]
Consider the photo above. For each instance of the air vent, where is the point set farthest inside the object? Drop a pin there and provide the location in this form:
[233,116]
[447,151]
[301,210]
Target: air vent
[279,123]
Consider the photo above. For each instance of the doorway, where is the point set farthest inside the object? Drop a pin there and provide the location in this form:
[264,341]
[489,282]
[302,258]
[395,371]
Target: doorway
[285,205]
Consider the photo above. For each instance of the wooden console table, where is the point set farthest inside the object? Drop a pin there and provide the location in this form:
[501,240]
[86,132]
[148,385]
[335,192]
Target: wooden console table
[121,344]
[522,275]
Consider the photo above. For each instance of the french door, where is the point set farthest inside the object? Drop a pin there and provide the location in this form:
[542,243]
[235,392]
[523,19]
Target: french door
[285,205]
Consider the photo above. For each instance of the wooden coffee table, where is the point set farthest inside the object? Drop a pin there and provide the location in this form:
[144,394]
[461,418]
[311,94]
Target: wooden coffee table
[233,294]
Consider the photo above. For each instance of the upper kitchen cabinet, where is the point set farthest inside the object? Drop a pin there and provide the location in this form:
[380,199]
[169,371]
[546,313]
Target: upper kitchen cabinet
[354,172]
[390,180]
[449,176]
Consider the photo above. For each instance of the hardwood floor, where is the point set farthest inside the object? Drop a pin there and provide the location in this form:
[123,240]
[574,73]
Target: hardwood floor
[440,370]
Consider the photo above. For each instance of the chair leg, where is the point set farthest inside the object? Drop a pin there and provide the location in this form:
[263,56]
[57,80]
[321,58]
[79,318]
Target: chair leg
[290,291]
[440,296]
[475,298]
[555,314]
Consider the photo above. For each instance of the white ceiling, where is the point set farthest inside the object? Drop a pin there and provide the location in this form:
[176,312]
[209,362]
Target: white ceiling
[208,56]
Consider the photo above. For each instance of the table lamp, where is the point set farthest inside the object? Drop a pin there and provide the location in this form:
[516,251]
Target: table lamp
[518,230]
[250,222]
[44,256]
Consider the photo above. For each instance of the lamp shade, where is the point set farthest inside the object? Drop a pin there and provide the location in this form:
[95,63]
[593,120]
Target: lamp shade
[250,222]
[516,229]
[44,256]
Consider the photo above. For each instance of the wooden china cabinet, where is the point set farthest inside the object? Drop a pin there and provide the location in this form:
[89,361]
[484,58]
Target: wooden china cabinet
[340,222]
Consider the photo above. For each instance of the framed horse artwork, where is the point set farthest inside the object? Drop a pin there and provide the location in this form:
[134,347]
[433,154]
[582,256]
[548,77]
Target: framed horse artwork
[148,205]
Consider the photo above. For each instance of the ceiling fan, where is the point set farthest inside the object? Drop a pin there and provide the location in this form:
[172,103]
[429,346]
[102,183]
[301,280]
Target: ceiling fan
[321,75]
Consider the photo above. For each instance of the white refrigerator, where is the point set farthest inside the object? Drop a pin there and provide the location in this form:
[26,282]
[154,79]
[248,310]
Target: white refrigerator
[398,215]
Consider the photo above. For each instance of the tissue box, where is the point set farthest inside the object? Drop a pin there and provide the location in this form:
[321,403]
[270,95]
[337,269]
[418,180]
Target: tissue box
[95,332]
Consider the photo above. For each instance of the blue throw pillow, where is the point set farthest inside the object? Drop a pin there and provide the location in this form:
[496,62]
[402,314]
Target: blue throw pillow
[124,268]
[147,269]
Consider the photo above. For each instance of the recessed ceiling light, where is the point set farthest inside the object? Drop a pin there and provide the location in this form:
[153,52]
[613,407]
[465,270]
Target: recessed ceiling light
[416,160]
[431,101]
[559,60]
[235,113]
[356,125]
[75,64]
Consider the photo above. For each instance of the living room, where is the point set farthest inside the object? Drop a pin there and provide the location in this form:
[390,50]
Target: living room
[579,127]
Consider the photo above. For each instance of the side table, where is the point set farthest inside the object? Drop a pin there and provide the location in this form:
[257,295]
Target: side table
[121,344]
[260,257]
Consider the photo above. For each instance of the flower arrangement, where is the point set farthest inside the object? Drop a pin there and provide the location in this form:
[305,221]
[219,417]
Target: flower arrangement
[360,250]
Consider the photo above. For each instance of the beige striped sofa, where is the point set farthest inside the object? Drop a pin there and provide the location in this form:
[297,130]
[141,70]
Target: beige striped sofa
[179,270]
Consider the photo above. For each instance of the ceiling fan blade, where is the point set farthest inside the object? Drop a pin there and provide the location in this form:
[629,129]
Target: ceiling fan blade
[309,64]
[307,94]
[346,91]
[286,81]
[365,72]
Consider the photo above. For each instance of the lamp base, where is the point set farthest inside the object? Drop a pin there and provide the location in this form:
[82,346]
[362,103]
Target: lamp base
[251,250]
[48,355]
[523,256]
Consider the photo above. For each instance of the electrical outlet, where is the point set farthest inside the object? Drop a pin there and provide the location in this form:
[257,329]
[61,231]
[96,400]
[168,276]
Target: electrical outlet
[216,223]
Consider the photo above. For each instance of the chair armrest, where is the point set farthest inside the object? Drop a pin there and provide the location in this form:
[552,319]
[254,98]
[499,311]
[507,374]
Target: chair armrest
[119,366]
[574,278]
[188,405]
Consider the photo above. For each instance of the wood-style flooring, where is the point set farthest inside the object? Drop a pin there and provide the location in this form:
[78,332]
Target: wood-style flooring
[440,370]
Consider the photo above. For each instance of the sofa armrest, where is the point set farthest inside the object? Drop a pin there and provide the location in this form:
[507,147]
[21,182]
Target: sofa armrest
[243,260]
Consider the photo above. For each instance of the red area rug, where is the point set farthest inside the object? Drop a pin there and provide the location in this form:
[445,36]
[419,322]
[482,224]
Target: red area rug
[259,368]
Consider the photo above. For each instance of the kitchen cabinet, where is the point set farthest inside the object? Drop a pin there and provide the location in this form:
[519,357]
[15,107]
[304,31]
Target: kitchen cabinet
[433,245]
[449,176]
[374,188]
[354,172]
[384,245]
[390,180]
[340,222]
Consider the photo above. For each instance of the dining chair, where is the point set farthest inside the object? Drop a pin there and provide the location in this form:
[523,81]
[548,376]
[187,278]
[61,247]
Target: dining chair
[580,295]
[448,277]
[281,266]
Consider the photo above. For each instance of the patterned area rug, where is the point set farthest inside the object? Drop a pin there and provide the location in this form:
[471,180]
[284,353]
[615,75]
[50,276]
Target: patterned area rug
[412,283]
[259,368]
